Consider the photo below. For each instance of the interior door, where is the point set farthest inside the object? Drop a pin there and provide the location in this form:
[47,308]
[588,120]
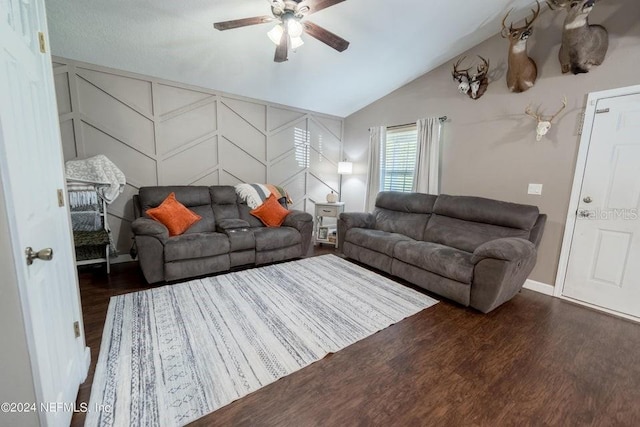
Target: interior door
[31,168]
[604,261]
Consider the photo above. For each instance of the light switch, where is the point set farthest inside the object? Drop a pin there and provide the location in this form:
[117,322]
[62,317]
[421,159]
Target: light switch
[535,189]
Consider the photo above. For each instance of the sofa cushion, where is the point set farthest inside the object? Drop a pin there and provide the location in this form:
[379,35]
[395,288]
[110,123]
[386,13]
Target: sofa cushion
[403,213]
[439,259]
[487,211]
[271,212]
[224,202]
[465,222]
[196,198]
[466,235]
[377,240]
[173,215]
[269,238]
[195,245]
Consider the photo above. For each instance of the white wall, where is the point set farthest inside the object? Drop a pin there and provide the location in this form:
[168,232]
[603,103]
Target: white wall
[166,133]
[489,144]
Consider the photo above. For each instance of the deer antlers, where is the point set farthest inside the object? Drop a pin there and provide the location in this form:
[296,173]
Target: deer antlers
[506,31]
[539,117]
[544,124]
[475,86]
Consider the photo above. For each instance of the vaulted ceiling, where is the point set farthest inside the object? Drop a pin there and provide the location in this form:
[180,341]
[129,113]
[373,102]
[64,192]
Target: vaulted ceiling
[392,43]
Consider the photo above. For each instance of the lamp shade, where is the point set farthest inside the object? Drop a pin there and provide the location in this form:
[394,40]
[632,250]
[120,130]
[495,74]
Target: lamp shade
[345,168]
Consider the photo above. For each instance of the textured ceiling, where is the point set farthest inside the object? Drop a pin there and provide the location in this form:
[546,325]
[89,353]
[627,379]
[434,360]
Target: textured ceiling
[392,43]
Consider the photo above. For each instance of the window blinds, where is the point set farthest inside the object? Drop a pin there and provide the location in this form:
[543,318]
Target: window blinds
[398,159]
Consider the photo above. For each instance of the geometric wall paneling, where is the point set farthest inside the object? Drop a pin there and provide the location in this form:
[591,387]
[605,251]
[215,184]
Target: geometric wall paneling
[241,164]
[296,187]
[63,97]
[278,117]
[115,118]
[133,92]
[207,180]
[332,125]
[67,133]
[285,167]
[255,114]
[242,133]
[202,159]
[176,130]
[170,98]
[325,171]
[228,179]
[138,168]
[122,207]
[324,142]
[160,132]
[317,190]
[289,138]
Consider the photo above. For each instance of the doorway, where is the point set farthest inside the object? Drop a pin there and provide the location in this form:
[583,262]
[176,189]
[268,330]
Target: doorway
[600,258]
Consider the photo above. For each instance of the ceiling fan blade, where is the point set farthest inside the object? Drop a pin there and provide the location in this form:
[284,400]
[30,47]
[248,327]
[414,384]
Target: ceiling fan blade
[325,36]
[282,51]
[237,23]
[317,5]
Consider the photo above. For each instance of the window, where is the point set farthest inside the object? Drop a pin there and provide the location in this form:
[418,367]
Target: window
[398,159]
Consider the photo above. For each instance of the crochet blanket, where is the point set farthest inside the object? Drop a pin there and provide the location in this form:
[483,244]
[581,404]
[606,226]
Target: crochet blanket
[255,194]
[99,171]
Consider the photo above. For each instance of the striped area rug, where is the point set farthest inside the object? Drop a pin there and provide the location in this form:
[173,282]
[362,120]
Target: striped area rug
[173,354]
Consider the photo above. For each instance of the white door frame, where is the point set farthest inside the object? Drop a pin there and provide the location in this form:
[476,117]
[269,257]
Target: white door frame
[576,189]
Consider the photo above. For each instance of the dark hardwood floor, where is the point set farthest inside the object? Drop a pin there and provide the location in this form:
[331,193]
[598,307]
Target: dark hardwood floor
[534,361]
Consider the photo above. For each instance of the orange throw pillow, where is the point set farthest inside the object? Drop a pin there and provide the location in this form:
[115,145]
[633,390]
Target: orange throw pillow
[174,215]
[271,212]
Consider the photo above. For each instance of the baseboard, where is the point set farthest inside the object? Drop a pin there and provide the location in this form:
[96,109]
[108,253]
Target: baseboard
[543,288]
[122,258]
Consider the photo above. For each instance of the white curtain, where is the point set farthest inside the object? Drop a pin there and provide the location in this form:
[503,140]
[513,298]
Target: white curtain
[427,176]
[377,138]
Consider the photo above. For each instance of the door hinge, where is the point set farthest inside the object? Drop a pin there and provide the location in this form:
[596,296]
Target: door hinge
[41,41]
[76,329]
[581,118]
[603,110]
[60,197]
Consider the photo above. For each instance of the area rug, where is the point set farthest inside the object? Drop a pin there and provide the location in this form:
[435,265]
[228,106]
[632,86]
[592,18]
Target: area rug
[172,354]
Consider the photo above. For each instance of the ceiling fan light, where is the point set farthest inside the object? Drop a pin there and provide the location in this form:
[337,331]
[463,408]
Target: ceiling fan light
[295,27]
[296,42]
[275,34]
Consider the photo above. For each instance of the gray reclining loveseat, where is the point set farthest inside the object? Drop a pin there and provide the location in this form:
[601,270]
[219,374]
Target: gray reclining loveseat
[226,236]
[475,251]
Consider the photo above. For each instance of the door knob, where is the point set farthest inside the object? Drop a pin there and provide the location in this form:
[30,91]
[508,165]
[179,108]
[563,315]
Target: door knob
[587,199]
[43,254]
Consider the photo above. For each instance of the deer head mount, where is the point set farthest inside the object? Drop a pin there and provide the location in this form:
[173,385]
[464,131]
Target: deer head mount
[544,124]
[522,71]
[472,85]
[583,45]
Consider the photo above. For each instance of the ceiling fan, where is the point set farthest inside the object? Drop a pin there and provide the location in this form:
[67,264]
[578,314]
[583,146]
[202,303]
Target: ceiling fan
[290,17]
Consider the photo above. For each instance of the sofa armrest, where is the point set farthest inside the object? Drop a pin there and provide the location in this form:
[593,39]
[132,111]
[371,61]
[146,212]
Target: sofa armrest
[297,219]
[150,227]
[505,249]
[303,222]
[231,224]
[349,220]
[357,220]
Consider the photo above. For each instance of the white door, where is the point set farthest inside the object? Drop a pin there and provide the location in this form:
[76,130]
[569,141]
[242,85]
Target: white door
[604,261]
[31,169]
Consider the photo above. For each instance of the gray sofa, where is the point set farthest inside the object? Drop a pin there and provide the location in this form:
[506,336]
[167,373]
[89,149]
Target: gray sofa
[475,251]
[226,236]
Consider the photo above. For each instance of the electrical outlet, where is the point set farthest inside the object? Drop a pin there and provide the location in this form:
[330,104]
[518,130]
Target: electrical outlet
[535,189]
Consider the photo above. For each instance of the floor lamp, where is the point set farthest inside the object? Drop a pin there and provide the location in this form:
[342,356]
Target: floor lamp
[344,168]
